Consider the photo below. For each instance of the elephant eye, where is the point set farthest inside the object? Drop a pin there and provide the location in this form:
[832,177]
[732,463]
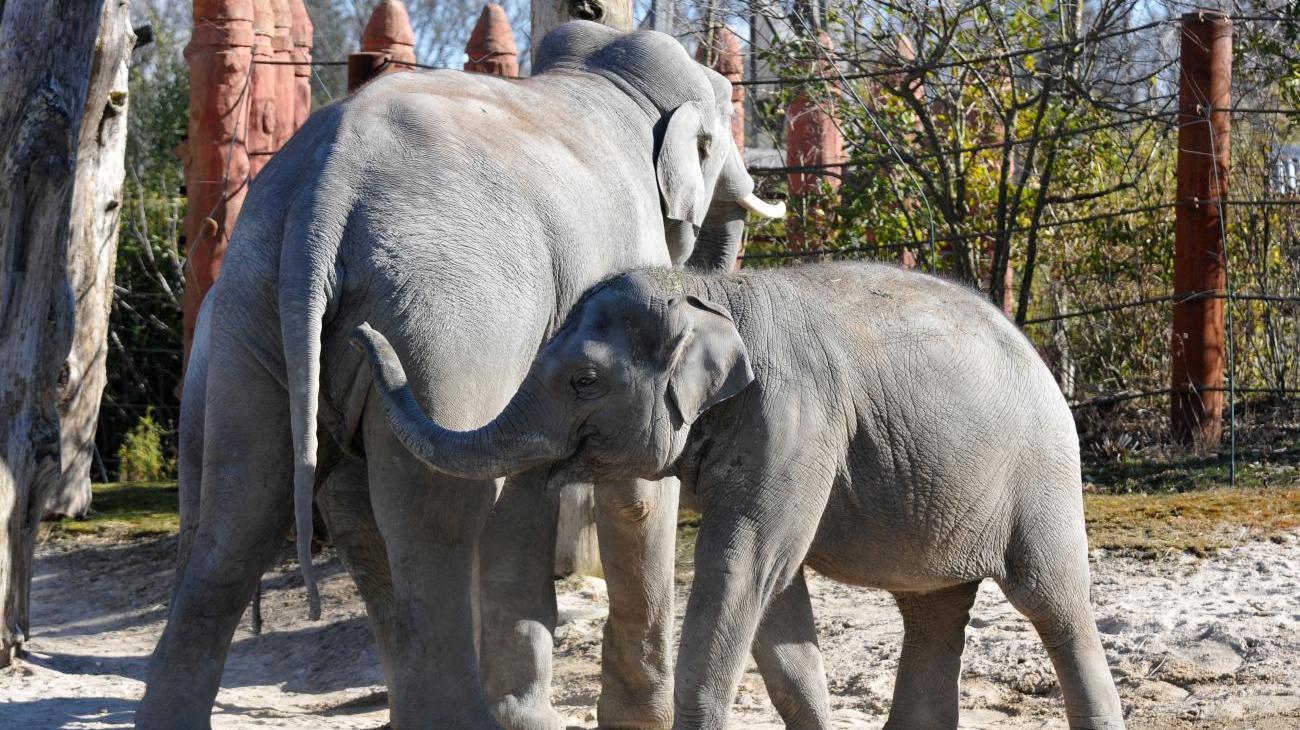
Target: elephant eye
[702,144]
[584,379]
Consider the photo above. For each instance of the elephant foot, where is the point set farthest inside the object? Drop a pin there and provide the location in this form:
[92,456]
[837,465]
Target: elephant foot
[614,715]
[515,714]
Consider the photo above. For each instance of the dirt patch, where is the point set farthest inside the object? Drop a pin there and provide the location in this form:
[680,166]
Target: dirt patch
[1195,642]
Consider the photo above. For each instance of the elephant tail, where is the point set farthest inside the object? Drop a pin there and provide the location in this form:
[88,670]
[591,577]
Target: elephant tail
[311,245]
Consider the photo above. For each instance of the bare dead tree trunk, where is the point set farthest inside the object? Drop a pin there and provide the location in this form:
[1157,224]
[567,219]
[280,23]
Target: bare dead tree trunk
[575,540]
[46,51]
[96,207]
[546,14]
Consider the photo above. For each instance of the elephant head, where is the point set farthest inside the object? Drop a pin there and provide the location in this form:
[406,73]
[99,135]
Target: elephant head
[703,186]
[612,395]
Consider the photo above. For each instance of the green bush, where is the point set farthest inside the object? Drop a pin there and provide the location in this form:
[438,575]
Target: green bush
[141,456]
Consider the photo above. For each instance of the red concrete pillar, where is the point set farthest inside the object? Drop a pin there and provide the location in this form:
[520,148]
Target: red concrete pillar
[265,85]
[721,52]
[301,32]
[220,54]
[387,44]
[286,79]
[1200,277]
[491,47]
[812,139]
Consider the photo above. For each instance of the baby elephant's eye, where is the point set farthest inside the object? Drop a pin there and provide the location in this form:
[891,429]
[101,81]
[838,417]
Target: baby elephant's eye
[585,378]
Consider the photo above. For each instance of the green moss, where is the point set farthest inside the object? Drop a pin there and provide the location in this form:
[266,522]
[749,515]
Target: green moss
[1198,522]
[133,509]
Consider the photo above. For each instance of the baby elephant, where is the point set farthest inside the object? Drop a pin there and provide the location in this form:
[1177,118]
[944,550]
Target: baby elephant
[883,427]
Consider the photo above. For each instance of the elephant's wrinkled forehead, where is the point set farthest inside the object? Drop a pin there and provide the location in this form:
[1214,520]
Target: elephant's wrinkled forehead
[632,317]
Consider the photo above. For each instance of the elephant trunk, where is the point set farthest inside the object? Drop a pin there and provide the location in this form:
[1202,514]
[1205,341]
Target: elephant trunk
[719,237]
[511,443]
[718,241]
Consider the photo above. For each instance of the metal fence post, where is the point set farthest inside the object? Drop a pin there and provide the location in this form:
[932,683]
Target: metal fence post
[1197,341]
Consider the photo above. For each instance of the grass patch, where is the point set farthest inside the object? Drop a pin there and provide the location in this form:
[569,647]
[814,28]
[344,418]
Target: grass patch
[1197,522]
[125,509]
[1180,471]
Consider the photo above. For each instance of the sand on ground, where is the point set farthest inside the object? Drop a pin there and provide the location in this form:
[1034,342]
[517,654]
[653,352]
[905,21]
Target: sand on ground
[1193,642]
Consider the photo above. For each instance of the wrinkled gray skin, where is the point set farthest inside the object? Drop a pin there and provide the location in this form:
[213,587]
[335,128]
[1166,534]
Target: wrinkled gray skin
[883,427]
[463,214]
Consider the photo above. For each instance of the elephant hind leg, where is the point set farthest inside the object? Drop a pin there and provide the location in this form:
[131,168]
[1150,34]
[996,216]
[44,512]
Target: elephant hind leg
[786,651]
[1049,584]
[934,633]
[344,502]
[243,515]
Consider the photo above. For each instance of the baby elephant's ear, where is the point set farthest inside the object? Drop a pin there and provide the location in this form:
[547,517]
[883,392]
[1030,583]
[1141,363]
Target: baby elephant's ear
[709,362]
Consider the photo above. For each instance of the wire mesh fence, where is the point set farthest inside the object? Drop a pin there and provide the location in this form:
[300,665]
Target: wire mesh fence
[1024,149]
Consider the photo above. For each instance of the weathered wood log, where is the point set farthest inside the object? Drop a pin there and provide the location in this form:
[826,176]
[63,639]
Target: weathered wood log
[92,251]
[46,50]
[546,14]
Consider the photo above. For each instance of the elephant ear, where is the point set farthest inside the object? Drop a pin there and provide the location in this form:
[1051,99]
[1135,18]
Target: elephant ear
[709,362]
[679,166]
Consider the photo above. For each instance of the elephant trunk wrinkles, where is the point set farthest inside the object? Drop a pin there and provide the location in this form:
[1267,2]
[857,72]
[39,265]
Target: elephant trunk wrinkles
[511,443]
[719,237]
[718,242]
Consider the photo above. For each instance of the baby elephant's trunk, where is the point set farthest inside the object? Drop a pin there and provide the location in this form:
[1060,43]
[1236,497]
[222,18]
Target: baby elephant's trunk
[511,443]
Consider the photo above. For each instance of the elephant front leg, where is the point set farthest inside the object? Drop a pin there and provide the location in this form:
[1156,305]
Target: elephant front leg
[734,574]
[517,604]
[751,546]
[636,523]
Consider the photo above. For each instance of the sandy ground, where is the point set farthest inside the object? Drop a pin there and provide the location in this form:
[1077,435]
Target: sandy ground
[1194,643]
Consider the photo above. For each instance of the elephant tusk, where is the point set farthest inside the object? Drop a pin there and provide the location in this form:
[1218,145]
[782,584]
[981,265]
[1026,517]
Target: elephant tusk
[753,204]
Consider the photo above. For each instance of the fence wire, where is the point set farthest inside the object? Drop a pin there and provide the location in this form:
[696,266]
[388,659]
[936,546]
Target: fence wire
[857,81]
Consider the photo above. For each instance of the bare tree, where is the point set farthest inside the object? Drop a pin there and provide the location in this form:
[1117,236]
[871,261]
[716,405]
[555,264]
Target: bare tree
[96,206]
[47,49]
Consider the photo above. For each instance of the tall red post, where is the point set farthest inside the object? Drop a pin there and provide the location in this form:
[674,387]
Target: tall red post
[286,79]
[812,140]
[301,32]
[491,47]
[1200,275]
[265,86]
[722,53]
[387,44]
[220,56]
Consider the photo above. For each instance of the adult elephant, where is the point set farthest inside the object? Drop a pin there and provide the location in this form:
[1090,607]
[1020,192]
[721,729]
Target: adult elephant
[463,215]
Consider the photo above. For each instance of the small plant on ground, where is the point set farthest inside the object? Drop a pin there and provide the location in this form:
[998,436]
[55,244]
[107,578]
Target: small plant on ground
[141,456]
